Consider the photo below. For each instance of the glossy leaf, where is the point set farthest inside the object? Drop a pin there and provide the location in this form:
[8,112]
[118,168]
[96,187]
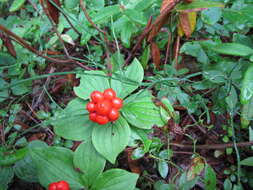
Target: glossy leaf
[126,81]
[87,159]
[115,179]
[227,184]
[90,81]
[141,112]
[16,5]
[56,164]
[211,16]
[232,49]
[232,99]
[247,86]
[110,139]
[73,122]
[210,178]
[247,162]
[163,168]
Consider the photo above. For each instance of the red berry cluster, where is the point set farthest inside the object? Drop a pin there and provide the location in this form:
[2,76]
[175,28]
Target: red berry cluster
[60,185]
[104,107]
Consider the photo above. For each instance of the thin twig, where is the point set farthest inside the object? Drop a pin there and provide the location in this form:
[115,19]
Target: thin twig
[33,50]
[177,46]
[55,28]
[107,47]
[213,146]
[139,41]
[42,94]
[89,19]
[196,123]
[34,5]
[168,49]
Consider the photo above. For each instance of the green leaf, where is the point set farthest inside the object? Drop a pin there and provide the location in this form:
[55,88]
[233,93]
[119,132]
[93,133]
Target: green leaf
[247,113]
[232,99]
[138,153]
[145,57]
[73,122]
[160,185]
[87,159]
[247,86]
[163,168]
[90,81]
[25,169]
[247,162]
[3,93]
[141,112]
[105,13]
[135,16]
[143,4]
[210,178]
[195,49]
[10,158]
[126,81]
[211,16]
[232,49]
[71,4]
[6,175]
[197,5]
[95,5]
[110,139]
[227,184]
[56,164]
[16,5]
[251,136]
[126,32]
[115,179]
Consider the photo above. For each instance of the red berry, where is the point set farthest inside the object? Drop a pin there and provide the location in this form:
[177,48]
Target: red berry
[109,94]
[113,114]
[97,96]
[103,107]
[117,103]
[102,120]
[93,116]
[63,185]
[91,106]
[52,186]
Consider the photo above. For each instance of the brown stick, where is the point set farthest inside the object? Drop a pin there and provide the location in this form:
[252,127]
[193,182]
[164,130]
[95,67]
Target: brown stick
[168,49]
[33,50]
[45,9]
[177,46]
[212,146]
[146,31]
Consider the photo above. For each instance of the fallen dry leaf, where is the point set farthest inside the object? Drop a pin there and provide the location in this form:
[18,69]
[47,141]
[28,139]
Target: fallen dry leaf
[187,23]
